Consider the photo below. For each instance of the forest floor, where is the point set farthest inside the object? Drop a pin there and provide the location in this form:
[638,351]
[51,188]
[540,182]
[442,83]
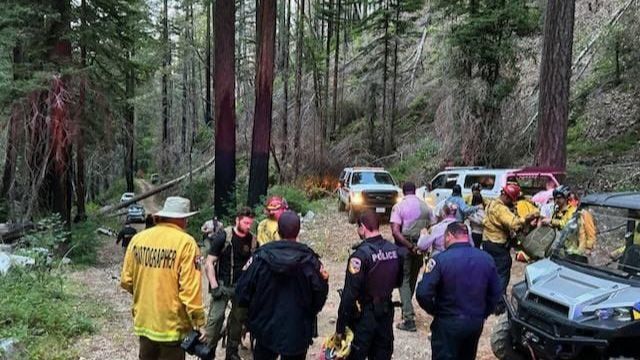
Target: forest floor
[328,233]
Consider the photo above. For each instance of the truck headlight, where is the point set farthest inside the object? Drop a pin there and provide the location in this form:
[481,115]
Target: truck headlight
[618,314]
[357,198]
[398,199]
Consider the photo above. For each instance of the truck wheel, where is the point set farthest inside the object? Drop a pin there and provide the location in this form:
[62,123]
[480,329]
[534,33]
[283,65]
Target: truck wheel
[501,341]
[341,206]
[353,216]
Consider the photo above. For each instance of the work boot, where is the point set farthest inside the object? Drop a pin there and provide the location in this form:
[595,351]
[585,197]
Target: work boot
[407,325]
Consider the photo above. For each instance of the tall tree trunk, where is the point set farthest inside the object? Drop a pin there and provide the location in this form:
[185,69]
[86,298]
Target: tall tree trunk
[166,62]
[555,77]
[385,136]
[13,132]
[285,105]
[225,108]
[298,90]
[394,98]
[81,191]
[59,175]
[334,116]
[328,125]
[129,129]
[259,171]
[372,116]
[207,69]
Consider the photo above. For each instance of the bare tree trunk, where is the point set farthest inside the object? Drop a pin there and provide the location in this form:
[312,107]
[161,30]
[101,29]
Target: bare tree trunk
[372,116]
[328,121]
[285,105]
[555,76]
[385,137]
[334,116]
[130,116]
[394,110]
[166,62]
[298,105]
[13,132]
[225,108]
[259,171]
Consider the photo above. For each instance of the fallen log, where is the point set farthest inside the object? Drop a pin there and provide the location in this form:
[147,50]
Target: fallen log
[156,190]
[11,232]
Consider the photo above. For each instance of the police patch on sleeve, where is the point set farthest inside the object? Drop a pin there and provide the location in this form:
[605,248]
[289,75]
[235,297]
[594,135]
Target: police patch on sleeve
[431,264]
[246,266]
[354,265]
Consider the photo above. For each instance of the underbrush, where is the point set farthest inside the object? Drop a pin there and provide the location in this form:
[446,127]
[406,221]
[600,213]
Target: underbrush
[40,311]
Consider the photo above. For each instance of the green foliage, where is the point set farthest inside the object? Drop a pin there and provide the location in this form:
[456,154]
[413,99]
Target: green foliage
[49,234]
[484,37]
[295,197]
[415,162]
[617,145]
[114,192]
[84,243]
[43,314]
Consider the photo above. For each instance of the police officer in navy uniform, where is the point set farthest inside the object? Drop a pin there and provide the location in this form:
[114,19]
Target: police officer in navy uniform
[374,270]
[460,289]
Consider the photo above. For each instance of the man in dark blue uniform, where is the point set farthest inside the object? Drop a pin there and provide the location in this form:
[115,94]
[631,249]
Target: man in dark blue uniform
[374,270]
[460,288]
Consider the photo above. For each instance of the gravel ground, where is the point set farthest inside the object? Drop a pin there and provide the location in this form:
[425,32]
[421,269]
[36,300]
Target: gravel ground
[328,233]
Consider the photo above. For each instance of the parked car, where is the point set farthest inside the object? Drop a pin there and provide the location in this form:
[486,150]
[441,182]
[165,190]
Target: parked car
[155,179]
[126,197]
[367,188]
[136,213]
[583,301]
[531,180]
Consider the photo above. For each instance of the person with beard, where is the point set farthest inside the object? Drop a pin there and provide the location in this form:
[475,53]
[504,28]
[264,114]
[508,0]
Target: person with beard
[373,271]
[229,250]
[284,286]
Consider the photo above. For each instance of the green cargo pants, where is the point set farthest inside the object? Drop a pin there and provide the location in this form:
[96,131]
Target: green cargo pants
[411,268]
[220,297]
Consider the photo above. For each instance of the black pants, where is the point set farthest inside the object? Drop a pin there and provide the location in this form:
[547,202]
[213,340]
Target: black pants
[262,353]
[154,350]
[373,335]
[477,239]
[502,257]
[455,338]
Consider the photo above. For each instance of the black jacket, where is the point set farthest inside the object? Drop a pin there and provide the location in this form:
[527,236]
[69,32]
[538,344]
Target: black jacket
[284,288]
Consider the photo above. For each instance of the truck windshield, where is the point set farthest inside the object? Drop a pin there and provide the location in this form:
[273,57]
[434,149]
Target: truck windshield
[604,238]
[371,178]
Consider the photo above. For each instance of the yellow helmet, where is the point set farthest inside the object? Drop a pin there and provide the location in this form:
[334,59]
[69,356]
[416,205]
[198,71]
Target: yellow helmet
[334,349]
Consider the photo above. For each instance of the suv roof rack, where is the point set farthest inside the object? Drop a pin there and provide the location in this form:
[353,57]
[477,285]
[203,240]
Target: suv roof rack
[465,168]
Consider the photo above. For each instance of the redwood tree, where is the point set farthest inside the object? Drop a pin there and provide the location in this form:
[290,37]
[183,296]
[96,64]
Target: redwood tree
[225,107]
[259,172]
[555,77]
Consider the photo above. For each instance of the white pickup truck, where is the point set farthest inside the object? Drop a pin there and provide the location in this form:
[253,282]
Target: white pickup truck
[364,188]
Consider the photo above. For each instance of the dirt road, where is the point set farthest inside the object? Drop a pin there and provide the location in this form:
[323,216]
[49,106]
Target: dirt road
[329,234]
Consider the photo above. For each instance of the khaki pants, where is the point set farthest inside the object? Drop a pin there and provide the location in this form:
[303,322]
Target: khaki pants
[220,297]
[411,269]
[154,350]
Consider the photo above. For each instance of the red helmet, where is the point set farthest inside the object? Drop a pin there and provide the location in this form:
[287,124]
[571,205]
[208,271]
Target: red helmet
[512,191]
[276,203]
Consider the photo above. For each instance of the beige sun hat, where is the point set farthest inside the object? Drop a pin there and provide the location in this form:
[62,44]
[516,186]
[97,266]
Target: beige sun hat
[176,207]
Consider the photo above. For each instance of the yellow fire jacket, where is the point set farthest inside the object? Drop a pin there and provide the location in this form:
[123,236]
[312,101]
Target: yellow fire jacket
[267,231]
[561,217]
[161,270]
[499,222]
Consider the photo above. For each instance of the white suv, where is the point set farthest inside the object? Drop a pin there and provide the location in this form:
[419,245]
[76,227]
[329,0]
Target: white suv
[367,188]
[530,179]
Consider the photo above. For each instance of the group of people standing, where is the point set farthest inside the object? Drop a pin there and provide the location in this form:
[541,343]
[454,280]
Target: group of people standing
[276,285]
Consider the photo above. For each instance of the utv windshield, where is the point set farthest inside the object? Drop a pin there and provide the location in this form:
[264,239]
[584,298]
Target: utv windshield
[372,178]
[604,238]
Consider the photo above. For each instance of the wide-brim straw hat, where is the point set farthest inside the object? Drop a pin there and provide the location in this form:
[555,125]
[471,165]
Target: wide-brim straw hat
[176,207]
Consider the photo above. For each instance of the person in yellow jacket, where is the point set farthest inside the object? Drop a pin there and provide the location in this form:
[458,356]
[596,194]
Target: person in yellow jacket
[500,224]
[268,228]
[162,271]
[563,211]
